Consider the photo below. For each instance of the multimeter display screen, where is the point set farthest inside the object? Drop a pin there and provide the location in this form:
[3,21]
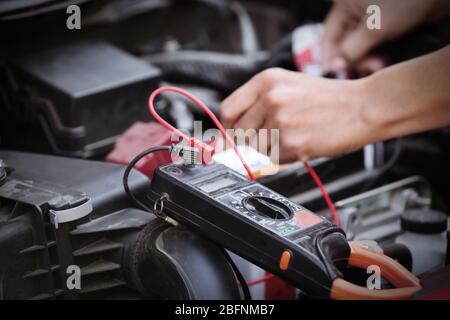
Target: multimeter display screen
[220,183]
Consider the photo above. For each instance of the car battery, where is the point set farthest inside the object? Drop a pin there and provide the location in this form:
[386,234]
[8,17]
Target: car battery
[74,100]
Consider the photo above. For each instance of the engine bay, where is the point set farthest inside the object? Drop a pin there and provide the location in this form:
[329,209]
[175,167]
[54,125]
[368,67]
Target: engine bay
[73,115]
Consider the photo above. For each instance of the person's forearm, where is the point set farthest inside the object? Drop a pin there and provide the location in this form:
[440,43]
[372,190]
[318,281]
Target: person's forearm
[407,98]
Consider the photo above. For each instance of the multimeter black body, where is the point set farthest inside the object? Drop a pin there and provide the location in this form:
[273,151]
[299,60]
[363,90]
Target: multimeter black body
[255,222]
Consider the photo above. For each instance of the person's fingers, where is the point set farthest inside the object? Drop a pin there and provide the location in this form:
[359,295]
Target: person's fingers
[359,42]
[270,144]
[268,105]
[278,128]
[238,102]
[334,30]
[370,65]
[260,116]
[260,140]
[253,118]
[247,95]
[337,63]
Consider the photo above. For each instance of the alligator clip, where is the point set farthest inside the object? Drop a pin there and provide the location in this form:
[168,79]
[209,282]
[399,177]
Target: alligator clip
[406,284]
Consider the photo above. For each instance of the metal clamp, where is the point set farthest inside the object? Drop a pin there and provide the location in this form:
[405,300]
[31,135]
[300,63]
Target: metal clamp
[159,203]
[158,208]
[3,175]
[3,172]
[72,214]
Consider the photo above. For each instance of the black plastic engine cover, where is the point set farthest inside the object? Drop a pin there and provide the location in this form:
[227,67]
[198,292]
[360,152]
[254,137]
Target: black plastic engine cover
[122,252]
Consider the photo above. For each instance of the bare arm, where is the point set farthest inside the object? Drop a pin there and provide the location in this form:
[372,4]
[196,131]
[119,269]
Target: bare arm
[324,117]
[410,97]
[347,40]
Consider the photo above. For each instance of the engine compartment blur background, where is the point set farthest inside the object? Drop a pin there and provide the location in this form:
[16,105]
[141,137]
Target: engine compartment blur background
[209,47]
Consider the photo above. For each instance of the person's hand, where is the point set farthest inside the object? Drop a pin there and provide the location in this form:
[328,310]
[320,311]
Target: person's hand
[347,40]
[315,116]
[325,117]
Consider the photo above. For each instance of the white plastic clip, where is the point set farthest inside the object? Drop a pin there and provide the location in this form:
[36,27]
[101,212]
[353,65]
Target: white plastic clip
[72,214]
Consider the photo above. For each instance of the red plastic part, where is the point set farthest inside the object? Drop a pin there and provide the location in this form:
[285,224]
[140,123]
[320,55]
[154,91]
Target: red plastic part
[141,136]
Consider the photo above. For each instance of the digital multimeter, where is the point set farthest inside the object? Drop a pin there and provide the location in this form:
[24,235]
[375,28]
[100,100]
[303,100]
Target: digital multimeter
[255,222]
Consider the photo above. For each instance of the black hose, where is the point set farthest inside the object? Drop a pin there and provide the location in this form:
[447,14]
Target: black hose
[222,71]
[239,276]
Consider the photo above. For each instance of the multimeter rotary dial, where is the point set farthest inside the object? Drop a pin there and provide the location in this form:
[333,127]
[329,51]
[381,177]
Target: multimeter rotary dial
[267,207]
